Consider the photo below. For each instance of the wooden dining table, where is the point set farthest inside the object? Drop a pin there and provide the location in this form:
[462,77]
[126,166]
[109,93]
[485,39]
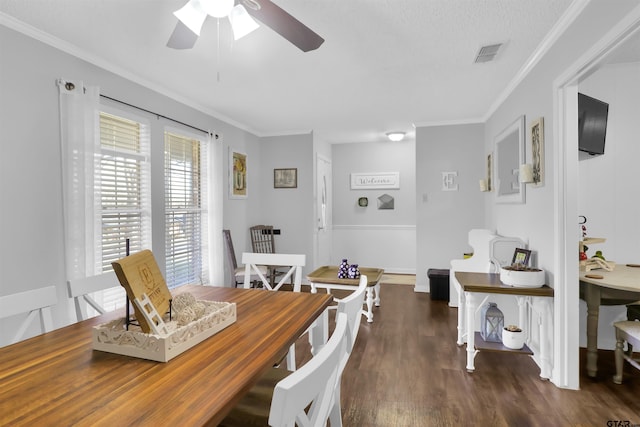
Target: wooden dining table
[58,379]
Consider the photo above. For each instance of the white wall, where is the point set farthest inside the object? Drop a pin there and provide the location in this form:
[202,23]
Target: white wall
[444,218]
[32,251]
[369,236]
[608,187]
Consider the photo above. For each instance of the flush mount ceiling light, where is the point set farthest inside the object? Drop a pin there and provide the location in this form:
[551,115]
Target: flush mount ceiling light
[396,136]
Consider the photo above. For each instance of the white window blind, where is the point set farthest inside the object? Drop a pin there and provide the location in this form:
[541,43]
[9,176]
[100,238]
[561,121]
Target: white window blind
[185,209]
[123,189]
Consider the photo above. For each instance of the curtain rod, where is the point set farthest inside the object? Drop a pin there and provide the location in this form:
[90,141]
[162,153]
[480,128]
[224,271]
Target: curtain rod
[159,115]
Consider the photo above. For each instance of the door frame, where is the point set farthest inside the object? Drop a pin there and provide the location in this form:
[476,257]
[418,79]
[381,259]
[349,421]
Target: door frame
[566,369]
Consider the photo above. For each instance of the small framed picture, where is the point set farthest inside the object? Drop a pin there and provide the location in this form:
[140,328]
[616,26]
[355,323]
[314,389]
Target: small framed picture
[285,178]
[521,257]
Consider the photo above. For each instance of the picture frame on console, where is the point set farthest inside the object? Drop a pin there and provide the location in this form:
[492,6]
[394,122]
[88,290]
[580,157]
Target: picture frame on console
[521,257]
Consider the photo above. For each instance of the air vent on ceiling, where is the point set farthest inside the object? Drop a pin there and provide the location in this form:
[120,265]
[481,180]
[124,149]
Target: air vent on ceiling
[487,53]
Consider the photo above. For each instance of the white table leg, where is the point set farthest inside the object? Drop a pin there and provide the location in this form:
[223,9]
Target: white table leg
[314,290]
[546,325]
[461,316]
[472,304]
[370,304]
[376,301]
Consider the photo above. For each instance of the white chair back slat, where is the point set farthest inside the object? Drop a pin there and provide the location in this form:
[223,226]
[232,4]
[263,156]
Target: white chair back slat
[33,302]
[312,385]
[80,290]
[255,263]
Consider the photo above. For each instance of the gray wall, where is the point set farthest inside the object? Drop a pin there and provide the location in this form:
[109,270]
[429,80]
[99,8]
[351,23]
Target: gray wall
[534,221]
[288,209]
[32,253]
[444,218]
[369,236]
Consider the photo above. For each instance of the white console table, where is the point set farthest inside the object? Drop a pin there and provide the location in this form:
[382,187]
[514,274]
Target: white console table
[473,294]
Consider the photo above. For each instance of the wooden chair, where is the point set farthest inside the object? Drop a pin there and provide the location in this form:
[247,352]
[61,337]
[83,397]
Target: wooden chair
[626,331]
[34,302]
[263,242]
[237,273]
[81,289]
[301,398]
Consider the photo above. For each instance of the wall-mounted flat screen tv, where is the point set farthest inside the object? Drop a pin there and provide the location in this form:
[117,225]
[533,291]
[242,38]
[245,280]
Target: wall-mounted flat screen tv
[592,124]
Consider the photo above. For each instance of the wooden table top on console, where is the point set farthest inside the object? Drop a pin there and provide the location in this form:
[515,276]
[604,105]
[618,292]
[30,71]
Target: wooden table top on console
[489,283]
[329,274]
[58,379]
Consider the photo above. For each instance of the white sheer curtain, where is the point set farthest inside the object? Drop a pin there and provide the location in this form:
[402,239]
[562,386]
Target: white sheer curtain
[216,254]
[79,121]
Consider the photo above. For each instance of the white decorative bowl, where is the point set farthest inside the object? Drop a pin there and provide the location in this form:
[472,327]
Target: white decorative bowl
[522,278]
[513,340]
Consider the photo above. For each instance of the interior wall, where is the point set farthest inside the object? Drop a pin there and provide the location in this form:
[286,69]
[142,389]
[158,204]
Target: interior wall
[32,254]
[369,236]
[287,209]
[534,221]
[607,184]
[444,218]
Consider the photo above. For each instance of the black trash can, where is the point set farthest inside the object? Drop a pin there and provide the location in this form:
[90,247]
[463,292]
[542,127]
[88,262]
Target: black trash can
[438,283]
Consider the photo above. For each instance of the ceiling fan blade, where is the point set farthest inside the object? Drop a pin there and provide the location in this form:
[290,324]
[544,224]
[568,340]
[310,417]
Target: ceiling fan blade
[283,23]
[182,37]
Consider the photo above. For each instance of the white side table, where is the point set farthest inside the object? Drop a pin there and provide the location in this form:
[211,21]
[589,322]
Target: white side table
[475,287]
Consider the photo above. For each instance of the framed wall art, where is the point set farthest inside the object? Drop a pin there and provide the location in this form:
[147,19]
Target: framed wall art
[536,130]
[237,175]
[285,178]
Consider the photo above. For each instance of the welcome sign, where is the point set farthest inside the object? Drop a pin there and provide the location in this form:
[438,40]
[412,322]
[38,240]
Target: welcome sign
[378,180]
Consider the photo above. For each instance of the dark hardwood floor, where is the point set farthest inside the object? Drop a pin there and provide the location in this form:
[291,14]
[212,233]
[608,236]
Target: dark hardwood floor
[406,370]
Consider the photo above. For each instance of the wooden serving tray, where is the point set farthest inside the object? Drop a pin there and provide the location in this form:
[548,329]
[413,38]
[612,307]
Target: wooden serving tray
[329,274]
[113,337]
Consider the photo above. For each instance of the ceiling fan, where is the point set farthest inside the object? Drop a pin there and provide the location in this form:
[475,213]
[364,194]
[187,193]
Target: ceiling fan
[192,15]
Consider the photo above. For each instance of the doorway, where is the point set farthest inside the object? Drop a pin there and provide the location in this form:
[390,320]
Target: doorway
[566,306]
[323,221]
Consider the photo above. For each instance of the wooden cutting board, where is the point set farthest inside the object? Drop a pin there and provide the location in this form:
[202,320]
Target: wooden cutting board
[139,273]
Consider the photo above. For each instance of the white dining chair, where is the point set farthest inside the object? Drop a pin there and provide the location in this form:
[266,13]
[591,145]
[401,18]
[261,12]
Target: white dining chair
[34,302]
[294,262]
[253,263]
[626,331]
[81,289]
[351,306]
[301,398]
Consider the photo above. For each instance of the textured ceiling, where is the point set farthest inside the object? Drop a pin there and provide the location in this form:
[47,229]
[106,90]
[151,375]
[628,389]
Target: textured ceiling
[385,64]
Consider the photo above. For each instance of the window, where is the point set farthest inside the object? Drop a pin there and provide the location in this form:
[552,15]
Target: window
[185,178]
[122,195]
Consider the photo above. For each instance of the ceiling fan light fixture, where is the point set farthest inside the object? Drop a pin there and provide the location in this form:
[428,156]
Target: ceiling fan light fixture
[217,8]
[241,22]
[192,15]
[396,136]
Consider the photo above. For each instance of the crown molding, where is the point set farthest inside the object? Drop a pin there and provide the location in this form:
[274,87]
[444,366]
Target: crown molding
[71,49]
[568,17]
